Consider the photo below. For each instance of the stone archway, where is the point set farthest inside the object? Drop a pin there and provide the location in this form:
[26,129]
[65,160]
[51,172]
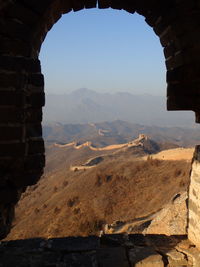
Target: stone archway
[23,27]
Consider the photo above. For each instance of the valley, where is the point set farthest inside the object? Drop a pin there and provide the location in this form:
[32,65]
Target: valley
[139,186]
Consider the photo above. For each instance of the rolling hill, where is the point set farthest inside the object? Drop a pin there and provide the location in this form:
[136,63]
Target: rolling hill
[123,187]
[118,132]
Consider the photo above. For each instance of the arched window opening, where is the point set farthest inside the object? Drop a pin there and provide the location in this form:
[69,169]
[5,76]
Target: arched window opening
[104,120]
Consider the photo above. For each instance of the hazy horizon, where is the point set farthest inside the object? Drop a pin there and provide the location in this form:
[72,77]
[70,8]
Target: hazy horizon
[89,106]
[102,92]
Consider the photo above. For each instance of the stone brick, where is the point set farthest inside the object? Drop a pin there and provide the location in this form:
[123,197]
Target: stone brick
[140,253]
[193,202]
[91,3]
[175,102]
[129,6]
[163,241]
[196,155]
[6,215]
[33,115]
[161,26]
[11,114]
[192,226]
[34,162]
[152,20]
[21,48]
[26,178]
[166,37]
[11,133]
[55,14]
[23,13]
[46,259]
[137,240]
[34,130]
[156,8]
[114,240]
[8,195]
[5,164]
[112,257]
[170,50]
[36,252]
[197,116]
[36,79]
[184,89]
[26,244]
[78,5]
[14,29]
[10,63]
[36,100]
[191,56]
[31,89]
[65,6]
[10,98]
[151,261]
[38,7]
[185,24]
[117,4]
[81,259]
[36,147]
[190,39]
[104,3]
[144,7]
[12,149]
[12,80]
[74,244]
[184,73]
[176,258]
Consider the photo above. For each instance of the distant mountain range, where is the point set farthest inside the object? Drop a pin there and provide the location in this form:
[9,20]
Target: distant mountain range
[88,106]
[118,132]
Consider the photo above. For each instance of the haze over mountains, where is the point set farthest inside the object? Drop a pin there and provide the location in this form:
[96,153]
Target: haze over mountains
[104,175]
[88,106]
[118,132]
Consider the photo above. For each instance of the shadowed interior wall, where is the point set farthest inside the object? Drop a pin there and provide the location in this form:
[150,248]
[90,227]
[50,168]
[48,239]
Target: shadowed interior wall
[23,27]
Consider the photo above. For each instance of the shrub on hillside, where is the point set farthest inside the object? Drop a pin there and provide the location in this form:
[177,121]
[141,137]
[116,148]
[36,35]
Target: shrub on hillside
[73,201]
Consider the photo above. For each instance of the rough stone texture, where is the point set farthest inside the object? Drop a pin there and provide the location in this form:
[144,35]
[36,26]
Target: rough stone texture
[145,256]
[73,244]
[176,258]
[172,219]
[23,27]
[107,251]
[151,261]
[112,257]
[194,200]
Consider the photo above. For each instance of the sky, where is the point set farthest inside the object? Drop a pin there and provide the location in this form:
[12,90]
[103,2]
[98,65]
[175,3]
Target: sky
[103,50]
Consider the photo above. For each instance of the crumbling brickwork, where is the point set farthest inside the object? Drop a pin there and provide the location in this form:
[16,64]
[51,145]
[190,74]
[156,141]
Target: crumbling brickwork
[107,251]
[23,27]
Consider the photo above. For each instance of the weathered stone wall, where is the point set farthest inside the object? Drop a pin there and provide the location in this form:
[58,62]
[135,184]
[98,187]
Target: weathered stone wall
[23,27]
[107,251]
[194,200]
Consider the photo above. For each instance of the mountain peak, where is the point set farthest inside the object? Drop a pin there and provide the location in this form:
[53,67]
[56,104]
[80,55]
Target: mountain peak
[83,92]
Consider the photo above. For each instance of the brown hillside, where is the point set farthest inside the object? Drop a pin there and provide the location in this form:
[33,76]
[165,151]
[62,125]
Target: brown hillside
[68,203]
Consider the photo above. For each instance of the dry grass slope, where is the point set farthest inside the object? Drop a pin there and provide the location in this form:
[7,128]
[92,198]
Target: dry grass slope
[79,203]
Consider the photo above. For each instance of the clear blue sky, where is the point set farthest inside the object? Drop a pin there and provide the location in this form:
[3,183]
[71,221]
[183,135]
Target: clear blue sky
[103,50]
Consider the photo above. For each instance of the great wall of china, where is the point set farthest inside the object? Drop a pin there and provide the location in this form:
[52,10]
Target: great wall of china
[23,27]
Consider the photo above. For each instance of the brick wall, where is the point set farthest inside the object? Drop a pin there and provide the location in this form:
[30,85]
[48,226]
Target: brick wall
[194,200]
[23,27]
[107,251]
